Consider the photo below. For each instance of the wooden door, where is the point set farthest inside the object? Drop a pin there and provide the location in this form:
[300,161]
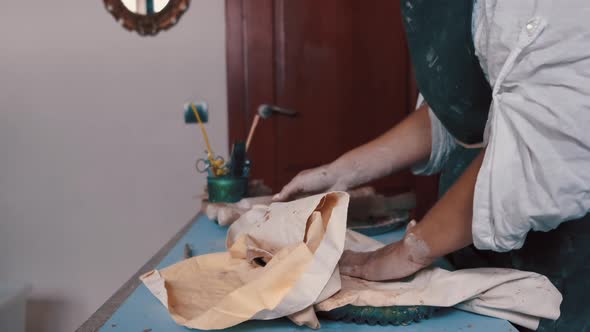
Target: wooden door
[342,64]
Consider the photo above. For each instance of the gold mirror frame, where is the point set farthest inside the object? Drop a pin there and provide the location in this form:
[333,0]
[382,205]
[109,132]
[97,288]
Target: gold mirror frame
[147,25]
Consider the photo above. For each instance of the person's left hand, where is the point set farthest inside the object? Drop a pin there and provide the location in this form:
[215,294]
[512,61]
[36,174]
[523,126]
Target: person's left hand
[395,261]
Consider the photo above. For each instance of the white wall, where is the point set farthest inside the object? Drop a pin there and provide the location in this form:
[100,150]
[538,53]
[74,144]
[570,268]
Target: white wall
[96,165]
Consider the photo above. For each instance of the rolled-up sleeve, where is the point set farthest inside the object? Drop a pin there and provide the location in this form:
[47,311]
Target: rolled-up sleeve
[443,143]
[535,173]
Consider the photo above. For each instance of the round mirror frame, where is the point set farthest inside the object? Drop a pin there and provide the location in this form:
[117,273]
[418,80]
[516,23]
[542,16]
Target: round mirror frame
[147,25]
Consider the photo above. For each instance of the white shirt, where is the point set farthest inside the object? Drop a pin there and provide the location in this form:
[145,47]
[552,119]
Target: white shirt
[536,170]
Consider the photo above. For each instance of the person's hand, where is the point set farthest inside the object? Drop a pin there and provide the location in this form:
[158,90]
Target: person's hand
[395,261]
[316,180]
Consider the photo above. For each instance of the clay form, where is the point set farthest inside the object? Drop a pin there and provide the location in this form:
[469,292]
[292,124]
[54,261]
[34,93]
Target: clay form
[379,225]
[398,315]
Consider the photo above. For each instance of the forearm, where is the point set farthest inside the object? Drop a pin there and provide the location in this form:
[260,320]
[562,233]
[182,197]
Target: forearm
[401,147]
[404,145]
[447,226]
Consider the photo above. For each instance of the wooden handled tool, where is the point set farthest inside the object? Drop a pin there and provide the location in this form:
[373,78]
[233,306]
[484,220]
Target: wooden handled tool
[266,111]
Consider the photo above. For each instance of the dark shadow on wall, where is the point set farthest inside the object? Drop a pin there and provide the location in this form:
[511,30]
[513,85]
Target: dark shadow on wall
[42,313]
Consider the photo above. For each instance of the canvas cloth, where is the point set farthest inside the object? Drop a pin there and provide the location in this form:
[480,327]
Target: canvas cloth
[282,261]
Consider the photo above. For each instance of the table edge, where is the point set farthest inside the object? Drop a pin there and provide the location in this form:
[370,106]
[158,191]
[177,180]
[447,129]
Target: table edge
[108,309]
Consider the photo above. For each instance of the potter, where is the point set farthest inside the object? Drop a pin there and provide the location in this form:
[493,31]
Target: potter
[504,119]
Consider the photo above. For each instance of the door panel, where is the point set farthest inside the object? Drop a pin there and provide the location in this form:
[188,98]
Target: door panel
[342,64]
[251,80]
[344,67]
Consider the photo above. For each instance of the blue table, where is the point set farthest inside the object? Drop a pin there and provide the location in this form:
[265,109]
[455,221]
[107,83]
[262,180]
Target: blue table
[141,311]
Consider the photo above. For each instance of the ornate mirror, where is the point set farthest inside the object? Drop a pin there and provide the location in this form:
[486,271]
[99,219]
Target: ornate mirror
[147,17]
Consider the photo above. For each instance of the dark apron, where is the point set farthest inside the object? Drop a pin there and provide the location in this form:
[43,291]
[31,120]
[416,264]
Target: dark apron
[452,82]
[447,71]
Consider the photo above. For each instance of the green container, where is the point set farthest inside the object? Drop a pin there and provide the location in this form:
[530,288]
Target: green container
[227,189]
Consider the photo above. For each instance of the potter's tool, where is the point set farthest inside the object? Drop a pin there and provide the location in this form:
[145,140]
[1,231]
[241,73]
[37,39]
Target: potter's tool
[202,110]
[233,186]
[219,168]
[266,111]
[238,159]
[199,113]
[238,165]
[252,129]
[188,251]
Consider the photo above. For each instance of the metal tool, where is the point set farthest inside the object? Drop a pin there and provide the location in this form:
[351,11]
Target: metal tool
[214,166]
[199,113]
[265,111]
[237,162]
[188,251]
[202,110]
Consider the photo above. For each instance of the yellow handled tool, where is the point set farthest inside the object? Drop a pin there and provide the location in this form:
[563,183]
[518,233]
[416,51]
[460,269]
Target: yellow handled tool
[216,164]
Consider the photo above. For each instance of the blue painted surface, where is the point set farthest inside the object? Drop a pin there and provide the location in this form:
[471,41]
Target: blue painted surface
[142,311]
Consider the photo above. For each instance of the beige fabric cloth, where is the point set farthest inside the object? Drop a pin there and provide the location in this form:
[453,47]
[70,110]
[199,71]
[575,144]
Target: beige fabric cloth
[517,296]
[301,243]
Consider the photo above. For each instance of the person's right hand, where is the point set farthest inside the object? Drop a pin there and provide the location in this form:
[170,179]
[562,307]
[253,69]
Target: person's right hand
[311,181]
[392,262]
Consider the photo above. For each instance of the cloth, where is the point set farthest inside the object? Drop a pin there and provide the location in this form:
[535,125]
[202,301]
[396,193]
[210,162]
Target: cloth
[535,171]
[443,144]
[517,296]
[282,260]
